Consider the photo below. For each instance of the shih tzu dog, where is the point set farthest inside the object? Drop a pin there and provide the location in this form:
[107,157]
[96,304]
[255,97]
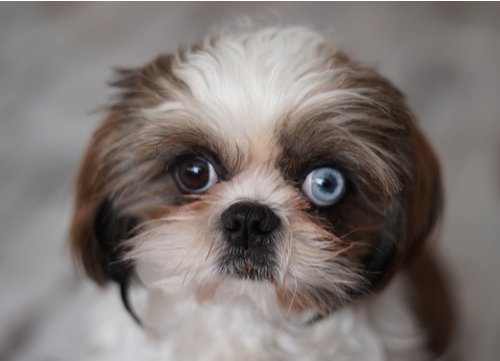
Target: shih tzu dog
[267,194]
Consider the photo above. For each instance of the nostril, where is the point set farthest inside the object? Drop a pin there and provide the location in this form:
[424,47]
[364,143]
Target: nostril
[232,225]
[261,228]
[230,221]
[268,223]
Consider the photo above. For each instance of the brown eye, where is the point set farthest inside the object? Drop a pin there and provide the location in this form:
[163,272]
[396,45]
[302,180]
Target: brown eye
[195,175]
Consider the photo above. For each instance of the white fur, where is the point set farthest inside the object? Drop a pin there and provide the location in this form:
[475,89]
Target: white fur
[376,329]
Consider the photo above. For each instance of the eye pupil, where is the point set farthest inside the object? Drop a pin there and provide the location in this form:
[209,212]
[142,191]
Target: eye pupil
[193,173]
[324,186]
[327,185]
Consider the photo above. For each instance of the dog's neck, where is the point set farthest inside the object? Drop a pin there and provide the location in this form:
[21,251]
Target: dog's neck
[229,328]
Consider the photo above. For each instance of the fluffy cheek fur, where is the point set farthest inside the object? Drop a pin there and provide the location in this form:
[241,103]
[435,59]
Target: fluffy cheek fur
[186,249]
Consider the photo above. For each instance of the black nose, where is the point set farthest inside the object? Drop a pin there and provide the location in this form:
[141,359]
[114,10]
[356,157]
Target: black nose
[249,224]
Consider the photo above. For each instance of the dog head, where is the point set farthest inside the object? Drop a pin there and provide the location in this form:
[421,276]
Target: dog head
[261,159]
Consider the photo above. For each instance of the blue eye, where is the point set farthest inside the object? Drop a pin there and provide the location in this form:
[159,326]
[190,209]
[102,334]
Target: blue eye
[324,186]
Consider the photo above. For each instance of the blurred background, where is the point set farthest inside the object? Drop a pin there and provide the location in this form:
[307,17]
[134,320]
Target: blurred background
[56,59]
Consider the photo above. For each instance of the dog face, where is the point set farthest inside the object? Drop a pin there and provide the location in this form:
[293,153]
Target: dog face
[261,162]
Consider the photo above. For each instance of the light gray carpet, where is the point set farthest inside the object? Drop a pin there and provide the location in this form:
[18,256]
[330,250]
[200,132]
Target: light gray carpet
[55,60]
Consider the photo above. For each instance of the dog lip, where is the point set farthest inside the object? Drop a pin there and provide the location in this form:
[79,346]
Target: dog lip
[241,267]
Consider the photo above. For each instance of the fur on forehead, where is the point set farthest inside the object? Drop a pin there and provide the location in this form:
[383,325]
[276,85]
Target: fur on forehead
[236,83]
[254,89]
[239,78]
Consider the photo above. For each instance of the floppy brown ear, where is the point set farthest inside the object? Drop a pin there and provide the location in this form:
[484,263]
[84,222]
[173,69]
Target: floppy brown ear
[431,296]
[97,239]
[96,234]
[98,226]
[84,245]
[424,199]
[85,248]
[412,220]
[422,203]
[98,223]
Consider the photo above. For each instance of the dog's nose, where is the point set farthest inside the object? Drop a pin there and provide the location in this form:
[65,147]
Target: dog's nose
[248,224]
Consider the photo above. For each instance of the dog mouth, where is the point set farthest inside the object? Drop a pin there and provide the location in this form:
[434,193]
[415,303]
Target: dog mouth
[248,266]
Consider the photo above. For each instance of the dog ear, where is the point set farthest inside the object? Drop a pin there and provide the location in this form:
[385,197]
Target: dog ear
[100,225]
[97,246]
[110,230]
[410,223]
[423,203]
[85,248]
